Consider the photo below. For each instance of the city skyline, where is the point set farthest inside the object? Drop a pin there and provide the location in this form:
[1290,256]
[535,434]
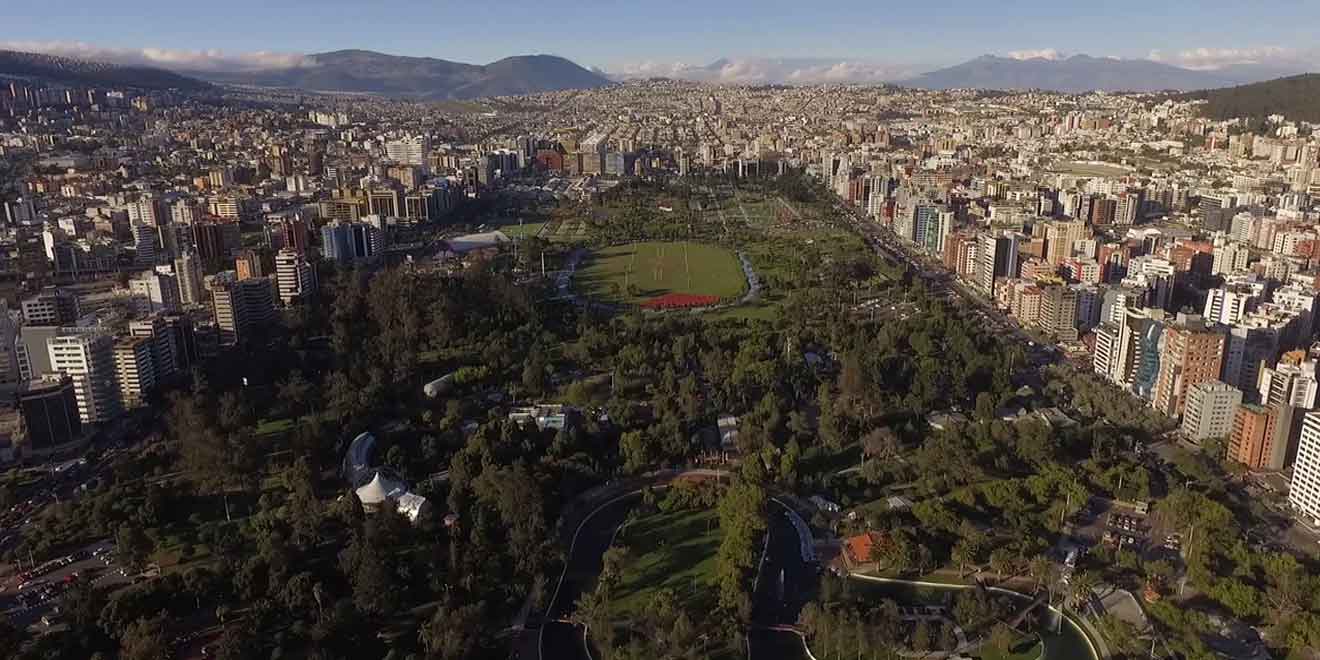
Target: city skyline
[901,42]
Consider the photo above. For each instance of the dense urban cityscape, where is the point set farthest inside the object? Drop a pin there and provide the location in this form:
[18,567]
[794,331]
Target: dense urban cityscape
[655,368]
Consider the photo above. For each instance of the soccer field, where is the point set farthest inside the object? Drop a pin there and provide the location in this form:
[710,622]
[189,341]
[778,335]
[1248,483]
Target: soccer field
[639,272]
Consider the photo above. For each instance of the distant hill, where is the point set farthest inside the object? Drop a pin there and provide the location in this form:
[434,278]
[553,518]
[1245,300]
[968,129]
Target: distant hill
[1295,97]
[79,72]
[1076,74]
[368,72]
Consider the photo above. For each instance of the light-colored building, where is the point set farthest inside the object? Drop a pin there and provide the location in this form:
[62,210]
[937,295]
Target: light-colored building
[88,357]
[294,276]
[135,370]
[1304,492]
[188,270]
[1210,410]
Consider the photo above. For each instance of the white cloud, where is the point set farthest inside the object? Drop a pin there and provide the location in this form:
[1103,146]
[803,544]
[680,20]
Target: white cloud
[165,58]
[759,71]
[1041,54]
[1211,59]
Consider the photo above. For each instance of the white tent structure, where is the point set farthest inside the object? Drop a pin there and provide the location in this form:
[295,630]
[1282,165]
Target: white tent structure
[384,490]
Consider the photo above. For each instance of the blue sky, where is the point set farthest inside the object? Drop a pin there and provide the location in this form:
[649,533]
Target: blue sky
[616,34]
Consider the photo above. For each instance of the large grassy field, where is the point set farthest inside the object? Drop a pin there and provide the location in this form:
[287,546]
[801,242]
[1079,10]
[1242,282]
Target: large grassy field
[637,272]
[675,551]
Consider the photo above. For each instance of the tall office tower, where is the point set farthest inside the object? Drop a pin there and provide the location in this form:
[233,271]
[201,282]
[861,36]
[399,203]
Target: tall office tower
[293,275]
[248,264]
[1292,381]
[188,270]
[997,256]
[1245,348]
[1230,258]
[88,357]
[1059,238]
[185,212]
[1253,434]
[144,244]
[154,292]
[1058,311]
[1227,305]
[409,151]
[1128,207]
[1304,491]
[240,307]
[164,351]
[1211,407]
[50,414]
[51,306]
[135,370]
[1104,360]
[1191,354]
[149,211]
[347,242]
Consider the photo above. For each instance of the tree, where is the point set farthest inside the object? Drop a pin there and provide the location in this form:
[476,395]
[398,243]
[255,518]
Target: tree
[453,633]
[296,392]
[133,545]
[145,639]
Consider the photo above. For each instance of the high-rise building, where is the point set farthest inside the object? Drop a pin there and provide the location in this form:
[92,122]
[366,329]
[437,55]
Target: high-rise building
[188,271]
[1292,381]
[997,257]
[347,242]
[1058,311]
[51,306]
[87,356]
[409,151]
[50,414]
[241,306]
[164,351]
[135,370]
[1211,407]
[1304,491]
[144,244]
[1191,354]
[247,263]
[1245,348]
[1059,238]
[1253,433]
[154,292]
[293,276]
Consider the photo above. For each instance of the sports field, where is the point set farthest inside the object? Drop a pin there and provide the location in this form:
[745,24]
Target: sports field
[639,273]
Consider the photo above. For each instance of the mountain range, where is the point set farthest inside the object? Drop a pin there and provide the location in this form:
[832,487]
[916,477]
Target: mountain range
[1078,73]
[1293,97]
[427,78]
[17,64]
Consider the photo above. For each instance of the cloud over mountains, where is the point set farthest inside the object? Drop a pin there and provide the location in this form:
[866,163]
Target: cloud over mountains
[210,60]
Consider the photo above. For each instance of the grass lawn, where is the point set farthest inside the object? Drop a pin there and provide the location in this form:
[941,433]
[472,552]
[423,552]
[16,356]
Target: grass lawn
[675,551]
[519,231]
[637,272]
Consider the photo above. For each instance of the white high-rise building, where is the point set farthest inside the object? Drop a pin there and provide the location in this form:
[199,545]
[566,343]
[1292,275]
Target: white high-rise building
[1210,409]
[155,292]
[1227,305]
[88,357]
[293,276]
[135,371]
[409,151]
[1304,492]
[188,270]
[1292,381]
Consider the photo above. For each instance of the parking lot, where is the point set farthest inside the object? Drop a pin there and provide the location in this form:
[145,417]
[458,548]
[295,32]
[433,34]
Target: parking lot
[28,596]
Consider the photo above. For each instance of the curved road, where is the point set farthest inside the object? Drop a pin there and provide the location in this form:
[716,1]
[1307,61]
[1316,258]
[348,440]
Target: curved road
[586,528]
